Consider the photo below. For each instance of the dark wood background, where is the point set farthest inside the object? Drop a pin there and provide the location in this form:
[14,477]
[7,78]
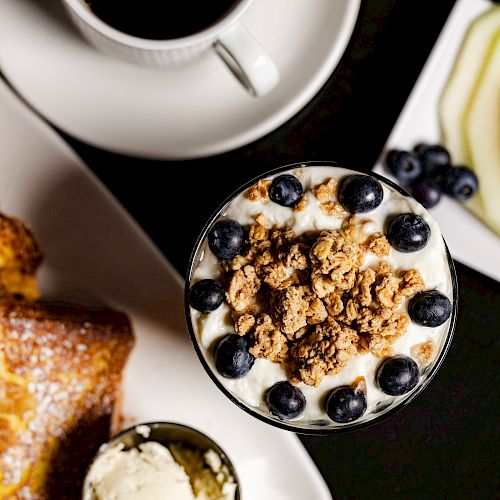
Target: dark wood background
[445,443]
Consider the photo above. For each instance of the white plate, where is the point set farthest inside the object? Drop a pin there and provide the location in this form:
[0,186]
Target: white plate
[470,241]
[92,244]
[196,110]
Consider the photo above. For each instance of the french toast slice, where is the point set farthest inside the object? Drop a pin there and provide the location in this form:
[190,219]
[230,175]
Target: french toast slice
[20,257]
[60,376]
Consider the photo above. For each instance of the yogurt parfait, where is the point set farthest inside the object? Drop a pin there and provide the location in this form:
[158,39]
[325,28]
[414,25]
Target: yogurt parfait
[320,299]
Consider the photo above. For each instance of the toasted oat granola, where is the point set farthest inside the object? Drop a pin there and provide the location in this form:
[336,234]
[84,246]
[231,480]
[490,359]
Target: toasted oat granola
[301,205]
[308,302]
[243,287]
[379,245]
[259,190]
[268,341]
[244,323]
[424,351]
[325,351]
[326,193]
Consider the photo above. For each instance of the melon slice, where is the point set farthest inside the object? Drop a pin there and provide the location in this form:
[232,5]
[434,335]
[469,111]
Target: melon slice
[482,128]
[462,82]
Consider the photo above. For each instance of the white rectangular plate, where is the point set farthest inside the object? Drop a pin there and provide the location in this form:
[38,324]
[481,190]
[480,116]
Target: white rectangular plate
[95,251]
[470,241]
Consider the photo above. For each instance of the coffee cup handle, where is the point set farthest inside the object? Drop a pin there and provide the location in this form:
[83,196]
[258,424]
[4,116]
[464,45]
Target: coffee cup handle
[247,60]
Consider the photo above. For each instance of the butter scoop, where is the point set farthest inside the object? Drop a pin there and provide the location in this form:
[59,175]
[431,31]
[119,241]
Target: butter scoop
[148,472]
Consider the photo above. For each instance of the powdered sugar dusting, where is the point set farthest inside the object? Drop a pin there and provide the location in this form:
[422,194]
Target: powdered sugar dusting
[48,373]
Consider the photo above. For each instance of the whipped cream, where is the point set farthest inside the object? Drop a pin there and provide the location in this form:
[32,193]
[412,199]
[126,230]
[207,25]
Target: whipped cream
[431,262]
[153,472]
[147,473]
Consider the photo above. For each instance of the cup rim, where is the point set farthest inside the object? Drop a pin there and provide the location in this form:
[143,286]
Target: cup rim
[320,431]
[116,438]
[211,32]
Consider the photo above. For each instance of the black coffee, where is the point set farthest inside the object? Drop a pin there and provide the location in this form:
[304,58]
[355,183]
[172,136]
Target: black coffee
[160,19]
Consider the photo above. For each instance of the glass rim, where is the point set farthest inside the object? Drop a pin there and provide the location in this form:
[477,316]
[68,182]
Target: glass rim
[282,424]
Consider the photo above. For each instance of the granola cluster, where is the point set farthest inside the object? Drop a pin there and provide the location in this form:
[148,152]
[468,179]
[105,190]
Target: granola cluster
[424,352]
[307,302]
[327,196]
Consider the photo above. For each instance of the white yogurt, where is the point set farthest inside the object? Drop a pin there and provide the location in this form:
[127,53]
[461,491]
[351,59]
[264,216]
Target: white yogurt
[431,262]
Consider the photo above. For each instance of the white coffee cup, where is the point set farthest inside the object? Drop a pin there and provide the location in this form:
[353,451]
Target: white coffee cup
[239,50]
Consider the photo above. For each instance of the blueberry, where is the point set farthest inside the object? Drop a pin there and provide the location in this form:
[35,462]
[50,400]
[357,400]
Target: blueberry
[226,239]
[427,192]
[345,404]
[460,183]
[408,233]
[286,190]
[232,358]
[439,173]
[206,295]
[285,400]
[432,157]
[404,165]
[360,193]
[397,375]
[429,308]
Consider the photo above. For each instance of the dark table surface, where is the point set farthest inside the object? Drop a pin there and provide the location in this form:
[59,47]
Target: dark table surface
[444,443]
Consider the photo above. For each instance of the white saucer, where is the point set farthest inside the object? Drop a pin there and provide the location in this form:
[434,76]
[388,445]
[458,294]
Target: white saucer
[197,110]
